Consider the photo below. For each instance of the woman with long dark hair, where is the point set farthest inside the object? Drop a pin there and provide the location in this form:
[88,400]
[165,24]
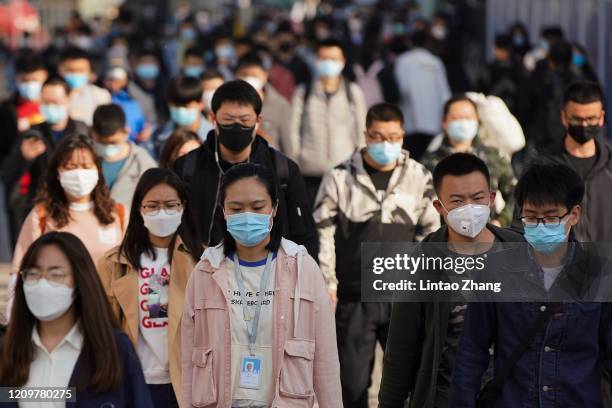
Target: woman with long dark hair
[258,327]
[73,198]
[62,332]
[145,278]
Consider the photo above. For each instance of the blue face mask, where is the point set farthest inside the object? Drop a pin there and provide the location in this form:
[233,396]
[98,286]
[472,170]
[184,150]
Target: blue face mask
[249,229]
[225,52]
[107,151]
[385,152]
[546,239]
[183,116]
[188,34]
[194,71]
[578,60]
[519,40]
[30,90]
[54,114]
[147,71]
[462,130]
[329,68]
[76,80]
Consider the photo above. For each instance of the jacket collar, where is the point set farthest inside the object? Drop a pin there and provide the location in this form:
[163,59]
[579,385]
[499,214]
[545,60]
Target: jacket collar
[501,234]
[357,168]
[120,257]
[215,255]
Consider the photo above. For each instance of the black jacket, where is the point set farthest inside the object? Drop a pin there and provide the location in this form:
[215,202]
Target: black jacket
[417,334]
[596,218]
[15,165]
[8,124]
[294,212]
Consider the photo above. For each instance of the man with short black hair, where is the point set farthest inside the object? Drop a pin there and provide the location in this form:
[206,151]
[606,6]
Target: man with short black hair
[327,117]
[184,97]
[276,109]
[194,64]
[76,68]
[423,336]
[122,161]
[236,114]
[22,110]
[28,160]
[562,355]
[584,149]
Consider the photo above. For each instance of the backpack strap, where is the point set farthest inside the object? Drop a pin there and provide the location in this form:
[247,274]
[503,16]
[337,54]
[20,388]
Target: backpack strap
[281,163]
[41,212]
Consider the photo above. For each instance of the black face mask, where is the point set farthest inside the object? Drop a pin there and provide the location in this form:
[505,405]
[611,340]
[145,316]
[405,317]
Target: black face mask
[236,137]
[583,134]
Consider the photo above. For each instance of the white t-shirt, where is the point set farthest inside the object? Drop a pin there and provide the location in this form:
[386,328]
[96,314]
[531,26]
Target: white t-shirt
[53,369]
[251,274]
[153,285]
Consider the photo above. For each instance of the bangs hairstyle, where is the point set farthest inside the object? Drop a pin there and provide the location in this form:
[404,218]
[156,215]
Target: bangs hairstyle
[549,183]
[384,112]
[99,365]
[51,194]
[459,164]
[173,145]
[457,98]
[136,240]
[183,90]
[266,178]
[239,92]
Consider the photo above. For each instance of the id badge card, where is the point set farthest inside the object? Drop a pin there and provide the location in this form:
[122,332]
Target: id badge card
[250,372]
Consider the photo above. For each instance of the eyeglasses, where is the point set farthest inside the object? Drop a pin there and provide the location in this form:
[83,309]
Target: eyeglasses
[590,121]
[548,221]
[379,138]
[56,276]
[153,208]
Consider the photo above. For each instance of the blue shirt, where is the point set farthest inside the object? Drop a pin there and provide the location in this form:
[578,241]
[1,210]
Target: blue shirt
[134,116]
[111,171]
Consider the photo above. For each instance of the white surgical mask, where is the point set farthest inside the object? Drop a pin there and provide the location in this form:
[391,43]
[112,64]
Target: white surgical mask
[79,182]
[468,220]
[462,130]
[47,302]
[163,224]
[254,82]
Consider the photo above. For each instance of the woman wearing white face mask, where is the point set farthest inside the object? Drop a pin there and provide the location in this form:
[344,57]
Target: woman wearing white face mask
[73,198]
[461,125]
[63,333]
[145,278]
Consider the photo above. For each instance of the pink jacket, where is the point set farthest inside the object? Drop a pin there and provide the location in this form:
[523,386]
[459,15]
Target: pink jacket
[306,355]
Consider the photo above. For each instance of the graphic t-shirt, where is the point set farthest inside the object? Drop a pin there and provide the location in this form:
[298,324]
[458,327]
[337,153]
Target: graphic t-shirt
[251,274]
[153,285]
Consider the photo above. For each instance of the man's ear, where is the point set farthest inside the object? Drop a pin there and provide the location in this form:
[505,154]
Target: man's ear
[492,197]
[564,120]
[438,206]
[575,215]
[602,120]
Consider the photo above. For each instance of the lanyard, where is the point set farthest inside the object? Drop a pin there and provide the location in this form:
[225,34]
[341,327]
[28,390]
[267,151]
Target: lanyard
[263,286]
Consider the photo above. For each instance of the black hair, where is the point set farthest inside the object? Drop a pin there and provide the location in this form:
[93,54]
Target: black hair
[583,92]
[561,53]
[183,90]
[549,183]
[57,81]
[459,164]
[248,60]
[108,120]
[211,73]
[384,112]
[503,42]
[193,52]
[136,240]
[329,43]
[74,53]
[552,33]
[28,62]
[267,179]
[239,92]
[419,38]
[457,98]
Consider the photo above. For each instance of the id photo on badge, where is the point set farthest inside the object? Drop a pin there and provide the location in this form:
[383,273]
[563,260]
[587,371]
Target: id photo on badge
[250,372]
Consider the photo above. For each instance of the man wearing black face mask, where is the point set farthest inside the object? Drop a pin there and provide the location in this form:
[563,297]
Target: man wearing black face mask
[236,113]
[585,150]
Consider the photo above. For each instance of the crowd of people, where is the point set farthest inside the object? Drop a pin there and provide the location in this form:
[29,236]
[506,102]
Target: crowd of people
[186,212]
